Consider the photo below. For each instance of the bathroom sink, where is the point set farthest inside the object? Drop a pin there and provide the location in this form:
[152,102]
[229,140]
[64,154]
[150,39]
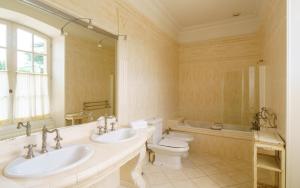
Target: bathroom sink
[49,163]
[120,135]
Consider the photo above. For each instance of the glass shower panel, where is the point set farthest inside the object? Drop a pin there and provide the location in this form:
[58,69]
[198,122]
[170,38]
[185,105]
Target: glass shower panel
[240,95]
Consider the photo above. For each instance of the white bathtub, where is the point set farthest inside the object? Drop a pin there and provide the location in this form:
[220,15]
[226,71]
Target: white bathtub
[208,125]
[229,130]
[232,142]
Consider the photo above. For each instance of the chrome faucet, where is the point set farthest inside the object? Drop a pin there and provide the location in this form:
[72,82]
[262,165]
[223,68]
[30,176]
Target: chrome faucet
[27,126]
[113,128]
[44,139]
[100,130]
[104,129]
[30,153]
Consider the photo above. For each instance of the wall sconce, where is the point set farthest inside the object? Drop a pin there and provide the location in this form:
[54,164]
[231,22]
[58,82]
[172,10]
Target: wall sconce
[100,43]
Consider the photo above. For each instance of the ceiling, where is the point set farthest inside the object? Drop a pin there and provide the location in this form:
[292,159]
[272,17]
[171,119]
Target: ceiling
[187,13]
[194,20]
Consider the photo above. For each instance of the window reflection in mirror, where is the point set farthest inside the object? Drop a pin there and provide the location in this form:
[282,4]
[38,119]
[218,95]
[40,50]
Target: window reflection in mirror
[48,78]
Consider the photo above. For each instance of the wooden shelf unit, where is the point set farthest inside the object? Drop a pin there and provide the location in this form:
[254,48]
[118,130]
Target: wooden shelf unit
[270,141]
[268,162]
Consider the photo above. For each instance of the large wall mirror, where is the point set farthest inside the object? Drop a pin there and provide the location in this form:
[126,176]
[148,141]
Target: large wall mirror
[55,69]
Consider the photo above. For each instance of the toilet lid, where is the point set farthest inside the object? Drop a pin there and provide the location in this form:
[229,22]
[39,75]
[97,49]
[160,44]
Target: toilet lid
[180,136]
[168,142]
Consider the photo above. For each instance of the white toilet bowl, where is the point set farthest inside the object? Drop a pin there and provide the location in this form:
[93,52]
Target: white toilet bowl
[180,136]
[168,151]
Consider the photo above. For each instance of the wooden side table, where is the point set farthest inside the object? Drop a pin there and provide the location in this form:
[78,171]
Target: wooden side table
[78,118]
[271,141]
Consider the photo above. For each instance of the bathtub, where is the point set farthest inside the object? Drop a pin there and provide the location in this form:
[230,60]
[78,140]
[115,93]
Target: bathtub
[228,130]
[233,141]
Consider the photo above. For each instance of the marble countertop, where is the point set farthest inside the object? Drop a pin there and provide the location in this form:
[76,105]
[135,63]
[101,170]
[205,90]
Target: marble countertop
[106,159]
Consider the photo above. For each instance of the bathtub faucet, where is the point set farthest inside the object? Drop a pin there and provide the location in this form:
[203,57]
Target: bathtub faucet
[217,126]
[167,131]
[255,122]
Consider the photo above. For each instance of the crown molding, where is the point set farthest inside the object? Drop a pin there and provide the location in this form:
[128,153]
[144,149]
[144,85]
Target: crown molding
[229,27]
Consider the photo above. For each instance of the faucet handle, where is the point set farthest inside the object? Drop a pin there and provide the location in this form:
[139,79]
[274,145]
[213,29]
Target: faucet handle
[113,126]
[58,138]
[100,130]
[30,153]
[30,146]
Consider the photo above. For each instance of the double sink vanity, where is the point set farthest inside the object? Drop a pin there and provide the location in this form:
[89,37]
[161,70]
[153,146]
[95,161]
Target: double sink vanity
[82,159]
[75,83]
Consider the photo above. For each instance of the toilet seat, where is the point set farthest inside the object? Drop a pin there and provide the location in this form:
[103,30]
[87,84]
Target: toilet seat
[173,143]
[179,136]
[170,146]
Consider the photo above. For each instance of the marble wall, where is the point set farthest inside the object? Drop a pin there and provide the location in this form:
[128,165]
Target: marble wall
[147,60]
[218,79]
[273,42]
[87,73]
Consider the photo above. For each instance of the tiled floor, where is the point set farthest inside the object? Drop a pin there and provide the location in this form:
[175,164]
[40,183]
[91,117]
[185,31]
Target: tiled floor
[201,171]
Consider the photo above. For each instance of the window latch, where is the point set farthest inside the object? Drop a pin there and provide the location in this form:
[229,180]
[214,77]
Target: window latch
[10,91]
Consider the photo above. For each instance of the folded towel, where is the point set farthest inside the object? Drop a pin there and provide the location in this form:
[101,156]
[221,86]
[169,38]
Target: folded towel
[138,124]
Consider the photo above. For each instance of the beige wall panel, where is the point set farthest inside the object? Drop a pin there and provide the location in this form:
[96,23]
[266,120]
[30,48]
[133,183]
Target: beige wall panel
[214,79]
[273,42]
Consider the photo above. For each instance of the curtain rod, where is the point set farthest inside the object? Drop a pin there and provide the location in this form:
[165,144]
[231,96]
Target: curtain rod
[49,9]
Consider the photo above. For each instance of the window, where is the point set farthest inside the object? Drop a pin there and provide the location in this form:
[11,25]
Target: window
[4,88]
[25,54]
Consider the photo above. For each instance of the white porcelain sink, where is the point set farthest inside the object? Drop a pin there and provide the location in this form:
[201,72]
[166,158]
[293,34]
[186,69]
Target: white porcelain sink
[49,163]
[120,135]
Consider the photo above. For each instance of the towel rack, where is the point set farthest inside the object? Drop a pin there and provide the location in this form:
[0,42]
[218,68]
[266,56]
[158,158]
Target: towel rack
[96,105]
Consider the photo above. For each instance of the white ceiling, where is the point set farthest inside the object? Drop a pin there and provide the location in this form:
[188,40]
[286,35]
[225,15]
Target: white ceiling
[187,13]
[194,20]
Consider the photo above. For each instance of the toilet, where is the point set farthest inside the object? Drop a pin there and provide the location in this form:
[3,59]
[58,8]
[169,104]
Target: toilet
[180,136]
[168,151]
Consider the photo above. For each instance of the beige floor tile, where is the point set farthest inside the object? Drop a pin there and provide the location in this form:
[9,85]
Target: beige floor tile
[163,185]
[156,178]
[243,185]
[193,173]
[184,184]
[223,180]
[208,169]
[201,171]
[205,182]
[188,164]
[223,168]
[149,168]
[175,175]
